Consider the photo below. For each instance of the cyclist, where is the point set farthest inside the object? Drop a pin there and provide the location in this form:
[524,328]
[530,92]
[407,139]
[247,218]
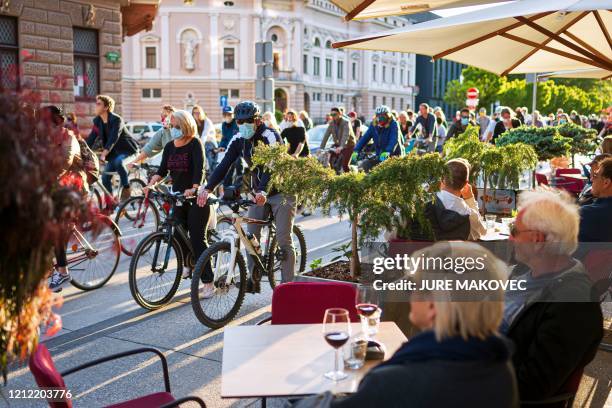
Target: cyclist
[117,142]
[344,139]
[386,136]
[159,139]
[184,160]
[229,129]
[253,132]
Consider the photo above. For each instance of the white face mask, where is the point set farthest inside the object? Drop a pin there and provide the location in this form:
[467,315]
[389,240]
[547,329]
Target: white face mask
[268,122]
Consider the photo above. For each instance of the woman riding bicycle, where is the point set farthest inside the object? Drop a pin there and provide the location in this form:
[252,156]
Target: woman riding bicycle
[184,160]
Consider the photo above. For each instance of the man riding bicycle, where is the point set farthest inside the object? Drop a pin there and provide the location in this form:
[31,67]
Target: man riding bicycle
[385,134]
[344,139]
[253,132]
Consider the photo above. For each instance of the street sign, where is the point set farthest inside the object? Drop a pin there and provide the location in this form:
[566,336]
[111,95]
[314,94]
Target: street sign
[263,52]
[530,78]
[112,56]
[264,71]
[264,89]
[223,101]
[472,93]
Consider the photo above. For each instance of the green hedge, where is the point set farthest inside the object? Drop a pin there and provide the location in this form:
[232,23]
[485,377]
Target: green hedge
[546,141]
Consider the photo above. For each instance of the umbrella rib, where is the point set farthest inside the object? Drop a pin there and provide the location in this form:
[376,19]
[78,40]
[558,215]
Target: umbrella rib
[587,46]
[543,43]
[362,6]
[553,50]
[563,41]
[604,30]
[487,36]
[341,44]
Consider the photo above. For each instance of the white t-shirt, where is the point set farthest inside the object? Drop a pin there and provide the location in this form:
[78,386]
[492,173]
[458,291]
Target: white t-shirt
[465,207]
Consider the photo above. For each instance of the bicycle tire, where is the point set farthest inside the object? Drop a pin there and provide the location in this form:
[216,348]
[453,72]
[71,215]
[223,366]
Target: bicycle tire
[301,252]
[95,199]
[114,245]
[201,314]
[124,211]
[142,247]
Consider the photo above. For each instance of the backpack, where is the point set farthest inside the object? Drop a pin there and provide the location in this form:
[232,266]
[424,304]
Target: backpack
[90,162]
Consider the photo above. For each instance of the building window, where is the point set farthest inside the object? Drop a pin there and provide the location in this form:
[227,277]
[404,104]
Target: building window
[317,42]
[374,72]
[86,63]
[384,75]
[305,64]
[401,78]
[329,97]
[393,103]
[384,100]
[316,66]
[151,93]
[374,101]
[392,75]
[274,38]
[401,104]
[339,98]
[316,96]
[340,73]
[327,67]
[229,58]
[230,93]
[354,71]
[9,53]
[328,44]
[151,57]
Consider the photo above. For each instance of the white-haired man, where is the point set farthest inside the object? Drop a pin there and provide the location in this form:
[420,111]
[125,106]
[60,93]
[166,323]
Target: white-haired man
[553,323]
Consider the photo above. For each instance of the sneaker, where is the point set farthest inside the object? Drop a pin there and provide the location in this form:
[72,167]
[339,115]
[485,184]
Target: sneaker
[57,280]
[126,193]
[186,273]
[207,291]
[253,287]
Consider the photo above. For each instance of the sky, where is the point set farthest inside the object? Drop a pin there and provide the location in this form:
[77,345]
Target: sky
[459,10]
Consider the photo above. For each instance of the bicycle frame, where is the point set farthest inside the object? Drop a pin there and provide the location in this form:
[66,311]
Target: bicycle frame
[84,243]
[172,228]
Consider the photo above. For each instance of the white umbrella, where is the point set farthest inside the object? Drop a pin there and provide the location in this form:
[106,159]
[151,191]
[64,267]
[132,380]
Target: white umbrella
[526,36]
[362,9]
[594,73]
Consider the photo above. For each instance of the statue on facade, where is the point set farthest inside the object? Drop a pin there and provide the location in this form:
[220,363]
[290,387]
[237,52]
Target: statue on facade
[190,50]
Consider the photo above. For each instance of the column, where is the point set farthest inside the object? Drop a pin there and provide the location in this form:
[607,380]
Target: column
[214,46]
[165,46]
[244,56]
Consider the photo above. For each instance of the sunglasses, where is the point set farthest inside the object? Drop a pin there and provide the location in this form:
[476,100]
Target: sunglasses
[333,114]
[243,121]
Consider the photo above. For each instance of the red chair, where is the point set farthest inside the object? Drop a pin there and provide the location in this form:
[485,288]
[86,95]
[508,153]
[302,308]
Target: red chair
[46,375]
[571,185]
[541,179]
[305,302]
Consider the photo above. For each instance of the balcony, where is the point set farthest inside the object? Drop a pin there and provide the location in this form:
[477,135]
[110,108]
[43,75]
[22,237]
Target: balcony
[285,75]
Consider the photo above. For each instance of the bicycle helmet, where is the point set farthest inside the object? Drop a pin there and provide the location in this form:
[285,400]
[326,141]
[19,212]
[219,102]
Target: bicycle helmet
[383,110]
[246,110]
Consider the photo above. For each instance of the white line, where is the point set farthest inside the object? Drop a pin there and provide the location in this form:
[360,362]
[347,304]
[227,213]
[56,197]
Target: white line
[329,244]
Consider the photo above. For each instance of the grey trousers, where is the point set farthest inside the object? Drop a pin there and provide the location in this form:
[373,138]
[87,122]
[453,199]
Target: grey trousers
[284,209]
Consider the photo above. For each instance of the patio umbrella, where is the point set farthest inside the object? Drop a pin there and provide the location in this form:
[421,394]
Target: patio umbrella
[362,9]
[594,73]
[526,36]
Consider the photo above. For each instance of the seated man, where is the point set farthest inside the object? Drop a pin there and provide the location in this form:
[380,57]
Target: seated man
[596,218]
[553,323]
[458,360]
[586,195]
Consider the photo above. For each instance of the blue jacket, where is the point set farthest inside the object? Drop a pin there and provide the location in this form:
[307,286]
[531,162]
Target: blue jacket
[228,130]
[596,221]
[243,148]
[386,139]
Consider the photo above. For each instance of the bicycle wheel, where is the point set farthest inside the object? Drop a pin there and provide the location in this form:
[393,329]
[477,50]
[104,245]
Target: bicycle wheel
[275,256]
[151,284]
[229,282]
[137,218]
[93,253]
[137,187]
[95,199]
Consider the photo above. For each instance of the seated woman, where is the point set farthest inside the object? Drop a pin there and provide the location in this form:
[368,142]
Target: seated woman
[459,359]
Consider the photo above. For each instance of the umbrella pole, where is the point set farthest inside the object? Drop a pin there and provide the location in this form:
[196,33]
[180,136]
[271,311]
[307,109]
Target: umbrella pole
[535,94]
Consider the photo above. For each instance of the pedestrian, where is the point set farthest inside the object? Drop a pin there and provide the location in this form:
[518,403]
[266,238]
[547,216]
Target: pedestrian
[507,122]
[404,124]
[295,136]
[441,130]
[427,121]
[229,130]
[206,127]
[306,120]
[483,121]
[356,124]
[118,145]
[72,123]
[287,123]
[270,121]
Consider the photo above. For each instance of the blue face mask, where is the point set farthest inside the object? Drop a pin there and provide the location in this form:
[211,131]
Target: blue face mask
[176,133]
[247,130]
[562,121]
[464,121]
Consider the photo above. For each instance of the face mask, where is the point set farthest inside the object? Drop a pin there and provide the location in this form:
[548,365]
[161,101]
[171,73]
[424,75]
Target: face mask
[562,121]
[464,121]
[228,119]
[247,130]
[268,123]
[166,122]
[176,133]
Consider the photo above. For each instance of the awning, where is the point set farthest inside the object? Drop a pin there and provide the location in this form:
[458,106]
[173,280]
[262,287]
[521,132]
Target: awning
[362,9]
[527,36]
[138,15]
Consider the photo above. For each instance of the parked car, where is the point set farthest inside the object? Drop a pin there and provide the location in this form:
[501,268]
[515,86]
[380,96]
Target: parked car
[143,131]
[315,136]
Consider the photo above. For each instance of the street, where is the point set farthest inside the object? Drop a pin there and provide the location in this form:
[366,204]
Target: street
[107,321]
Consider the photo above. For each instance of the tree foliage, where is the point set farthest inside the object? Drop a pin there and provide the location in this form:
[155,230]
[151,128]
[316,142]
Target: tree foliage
[487,83]
[583,141]
[546,141]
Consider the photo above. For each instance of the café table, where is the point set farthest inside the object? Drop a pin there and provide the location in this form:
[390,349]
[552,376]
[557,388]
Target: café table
[499,233]
[290,360]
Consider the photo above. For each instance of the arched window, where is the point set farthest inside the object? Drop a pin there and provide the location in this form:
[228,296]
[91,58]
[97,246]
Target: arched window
[328,44]
[317,42]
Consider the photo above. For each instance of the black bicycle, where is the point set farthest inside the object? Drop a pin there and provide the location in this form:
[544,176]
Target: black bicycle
[229,266]
[157,264]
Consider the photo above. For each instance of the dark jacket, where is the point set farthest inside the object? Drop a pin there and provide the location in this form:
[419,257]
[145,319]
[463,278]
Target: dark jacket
[446,225]
[596,221]
[243,148]
[425,373]
[228,130]
[117,140]
[386,139]
[457,129]
[500,128]
[554,334]
[428,125]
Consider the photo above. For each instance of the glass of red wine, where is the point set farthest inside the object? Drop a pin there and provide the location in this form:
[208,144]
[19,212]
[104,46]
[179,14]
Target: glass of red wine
[366,303]
[337,331]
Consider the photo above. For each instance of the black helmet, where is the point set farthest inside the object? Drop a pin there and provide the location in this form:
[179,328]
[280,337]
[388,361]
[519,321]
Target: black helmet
[246,110]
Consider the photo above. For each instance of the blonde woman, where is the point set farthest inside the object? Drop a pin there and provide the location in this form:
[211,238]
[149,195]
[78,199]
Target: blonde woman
[184,160]
[458,359]
[270,121]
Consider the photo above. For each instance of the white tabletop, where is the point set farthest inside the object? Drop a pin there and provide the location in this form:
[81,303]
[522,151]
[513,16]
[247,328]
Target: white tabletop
[286,360]
[499,233]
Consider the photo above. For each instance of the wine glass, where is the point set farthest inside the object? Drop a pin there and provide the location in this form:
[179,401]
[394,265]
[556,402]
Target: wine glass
[366,303]
[336,331]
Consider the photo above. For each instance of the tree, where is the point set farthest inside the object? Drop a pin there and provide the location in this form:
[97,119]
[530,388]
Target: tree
[488,85]
[546,141]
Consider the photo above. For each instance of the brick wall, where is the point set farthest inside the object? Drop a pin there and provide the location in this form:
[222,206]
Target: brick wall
[46,49]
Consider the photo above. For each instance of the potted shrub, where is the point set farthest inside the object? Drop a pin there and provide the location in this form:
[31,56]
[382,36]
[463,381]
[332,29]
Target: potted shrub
[583,141]
[546,141]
